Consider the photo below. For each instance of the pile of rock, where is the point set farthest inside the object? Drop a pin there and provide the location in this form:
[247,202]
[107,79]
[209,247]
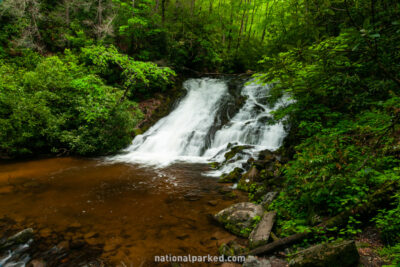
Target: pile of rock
[255,222]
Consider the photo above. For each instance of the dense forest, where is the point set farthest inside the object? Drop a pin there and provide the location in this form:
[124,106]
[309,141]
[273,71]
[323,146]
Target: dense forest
[73,71]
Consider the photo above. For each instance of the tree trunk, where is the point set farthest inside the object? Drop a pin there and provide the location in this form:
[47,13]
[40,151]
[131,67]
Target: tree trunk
[163,11]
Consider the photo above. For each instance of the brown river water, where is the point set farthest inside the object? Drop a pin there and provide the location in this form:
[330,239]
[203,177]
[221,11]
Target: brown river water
[131,213]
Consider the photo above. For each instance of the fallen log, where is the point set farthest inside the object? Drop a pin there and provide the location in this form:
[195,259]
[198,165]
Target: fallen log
[365,209]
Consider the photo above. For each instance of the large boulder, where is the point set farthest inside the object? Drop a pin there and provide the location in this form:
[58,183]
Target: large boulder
[260,235]
[338,253]
[239,218]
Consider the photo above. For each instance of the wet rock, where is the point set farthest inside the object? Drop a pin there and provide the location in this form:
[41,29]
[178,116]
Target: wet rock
[17,239]
[268,198]
[231,177]
[93,241]
[252,261]
[6,189]
[225,190]
[37,263]
[234,151]
[260,235]
[46,232]
[192,197]
[182,237]
[90,235]
[212,203]
[63,245]
[339,253]
[75,225]
[268,155]
[31,184]
[238,218]
[214,165]
[232,248]
[77,244]
[109,247]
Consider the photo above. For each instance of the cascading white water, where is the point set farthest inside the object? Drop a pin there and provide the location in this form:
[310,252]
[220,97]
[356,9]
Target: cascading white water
[182,135]
[248,127]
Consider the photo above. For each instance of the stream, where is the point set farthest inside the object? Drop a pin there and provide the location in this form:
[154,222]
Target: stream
[156,196]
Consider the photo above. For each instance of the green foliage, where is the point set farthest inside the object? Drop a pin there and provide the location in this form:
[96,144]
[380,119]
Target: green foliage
[254,222]
[388,221]
[392,254]
[63,105]
[338,61]
[135,76]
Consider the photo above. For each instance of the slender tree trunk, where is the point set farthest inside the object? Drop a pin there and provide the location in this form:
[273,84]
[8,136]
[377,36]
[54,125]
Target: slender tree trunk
[162,12]
[67,19]
[192,6]
[252,20]
[230,28]
[156,6]
[240,30]
[265,22]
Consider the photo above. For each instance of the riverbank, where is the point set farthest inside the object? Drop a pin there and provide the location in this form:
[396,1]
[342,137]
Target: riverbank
[264,232]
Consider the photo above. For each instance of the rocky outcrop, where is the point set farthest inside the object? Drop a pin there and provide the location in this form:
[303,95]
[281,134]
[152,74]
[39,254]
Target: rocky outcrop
[234,151]
[17,239]
[260,234]
[339,253]
[239,218]
[231,177]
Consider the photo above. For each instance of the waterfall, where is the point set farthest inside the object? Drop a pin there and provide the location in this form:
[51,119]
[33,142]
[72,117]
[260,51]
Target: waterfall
[187,134]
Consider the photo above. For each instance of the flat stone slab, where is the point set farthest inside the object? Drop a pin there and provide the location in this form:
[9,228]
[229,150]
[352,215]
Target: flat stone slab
[260,234]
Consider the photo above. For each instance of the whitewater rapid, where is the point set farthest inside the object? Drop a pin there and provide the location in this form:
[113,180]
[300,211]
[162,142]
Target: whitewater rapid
[188,133]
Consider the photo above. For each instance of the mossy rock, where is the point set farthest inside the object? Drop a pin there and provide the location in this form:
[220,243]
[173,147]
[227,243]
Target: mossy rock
[214,165]
[17,239]
[235,150]
[232,249]
[239,218]
[231,177]
[339,253]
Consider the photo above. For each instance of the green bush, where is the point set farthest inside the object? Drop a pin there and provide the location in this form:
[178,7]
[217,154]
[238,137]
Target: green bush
[59,106]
